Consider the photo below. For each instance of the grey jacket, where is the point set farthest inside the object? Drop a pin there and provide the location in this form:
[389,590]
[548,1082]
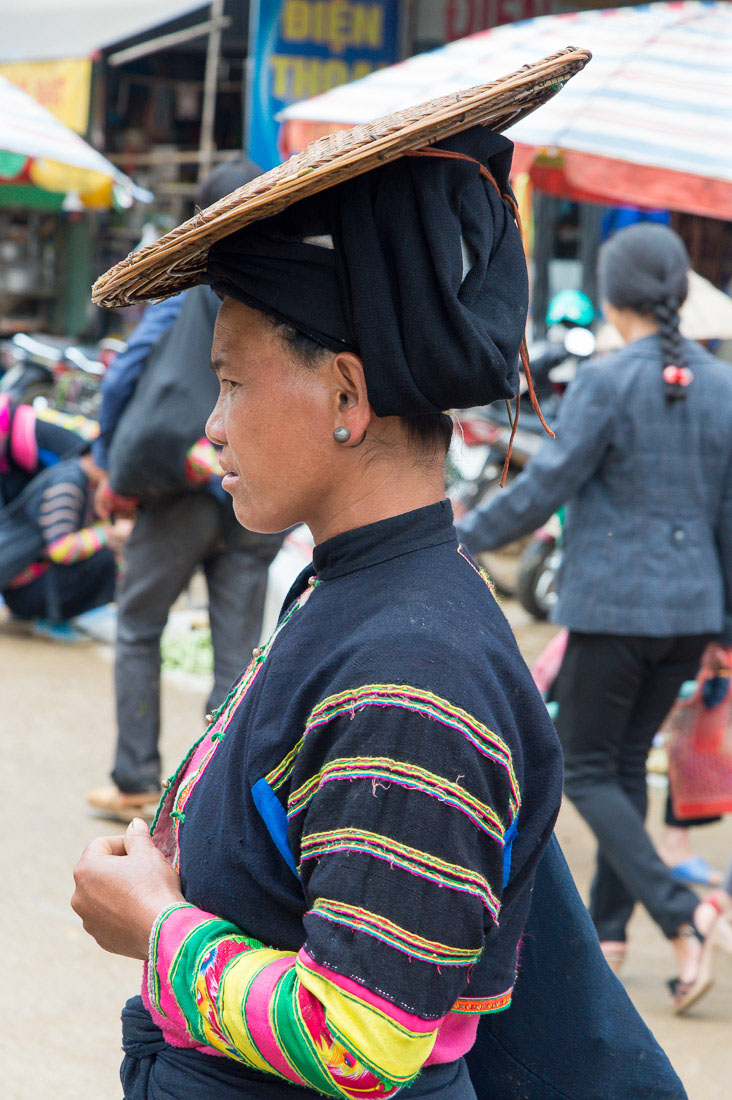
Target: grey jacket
[648,490]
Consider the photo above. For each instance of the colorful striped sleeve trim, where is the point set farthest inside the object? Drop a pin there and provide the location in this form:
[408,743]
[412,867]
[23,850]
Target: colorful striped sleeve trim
[77,546]
[391,1041]
[373,924]
[184,918]
[384,770]
[415,862]
[413,699]
[280,1013]
[482,1005]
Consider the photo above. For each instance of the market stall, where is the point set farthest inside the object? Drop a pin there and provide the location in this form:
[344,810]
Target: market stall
[48,177]
[648,121]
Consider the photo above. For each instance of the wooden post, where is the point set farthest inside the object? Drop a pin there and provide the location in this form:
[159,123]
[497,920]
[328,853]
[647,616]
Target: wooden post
[589,246]
[208,112]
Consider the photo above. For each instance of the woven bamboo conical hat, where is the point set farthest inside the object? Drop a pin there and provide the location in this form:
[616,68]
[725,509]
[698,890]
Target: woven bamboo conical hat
[176,261]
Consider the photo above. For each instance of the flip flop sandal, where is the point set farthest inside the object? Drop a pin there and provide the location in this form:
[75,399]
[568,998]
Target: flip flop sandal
[686,994]
[698,871]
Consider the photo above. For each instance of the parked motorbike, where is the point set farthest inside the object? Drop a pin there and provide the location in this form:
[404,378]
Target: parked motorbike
[50,371]
[526,568]
[28,368]
[483,436]
[537,573]
[475,467]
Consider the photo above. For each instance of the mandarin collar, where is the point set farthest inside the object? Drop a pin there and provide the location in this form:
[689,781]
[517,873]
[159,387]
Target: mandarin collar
[389,538]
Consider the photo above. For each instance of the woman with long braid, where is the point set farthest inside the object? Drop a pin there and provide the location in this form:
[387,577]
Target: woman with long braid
[643,461]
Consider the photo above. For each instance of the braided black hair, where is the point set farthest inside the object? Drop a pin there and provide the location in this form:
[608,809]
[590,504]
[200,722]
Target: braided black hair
[645,268]
[672,348]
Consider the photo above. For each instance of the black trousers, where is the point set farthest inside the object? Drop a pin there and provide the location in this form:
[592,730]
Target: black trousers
[613,692]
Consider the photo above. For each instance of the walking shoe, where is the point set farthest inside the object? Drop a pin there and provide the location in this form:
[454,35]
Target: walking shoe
[119,805]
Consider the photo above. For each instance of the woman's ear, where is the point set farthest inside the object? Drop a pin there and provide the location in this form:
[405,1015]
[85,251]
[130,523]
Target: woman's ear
[351,408]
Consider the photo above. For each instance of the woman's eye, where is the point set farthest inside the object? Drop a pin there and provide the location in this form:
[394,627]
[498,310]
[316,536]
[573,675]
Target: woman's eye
[229,384]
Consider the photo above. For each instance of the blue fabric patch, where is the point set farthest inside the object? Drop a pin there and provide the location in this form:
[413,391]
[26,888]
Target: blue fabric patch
[508,839]
[274,817]
[48,458]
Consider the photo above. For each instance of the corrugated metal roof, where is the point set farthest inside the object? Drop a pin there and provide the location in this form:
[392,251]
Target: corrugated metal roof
[40,30]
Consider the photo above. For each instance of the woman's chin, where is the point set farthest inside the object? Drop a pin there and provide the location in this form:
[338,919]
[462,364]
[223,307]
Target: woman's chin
[262,521]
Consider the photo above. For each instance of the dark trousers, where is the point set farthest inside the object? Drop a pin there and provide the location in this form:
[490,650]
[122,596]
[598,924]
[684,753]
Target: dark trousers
[66,590]
[169,540]
[613,693]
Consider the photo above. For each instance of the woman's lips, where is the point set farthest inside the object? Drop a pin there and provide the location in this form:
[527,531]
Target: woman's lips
[228,479]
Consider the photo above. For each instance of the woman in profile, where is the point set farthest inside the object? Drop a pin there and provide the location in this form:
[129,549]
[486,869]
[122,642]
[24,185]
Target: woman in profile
[341,871]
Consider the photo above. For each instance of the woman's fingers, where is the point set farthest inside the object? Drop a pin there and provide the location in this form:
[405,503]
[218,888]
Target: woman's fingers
[137,838]
[106,845]
[118,899]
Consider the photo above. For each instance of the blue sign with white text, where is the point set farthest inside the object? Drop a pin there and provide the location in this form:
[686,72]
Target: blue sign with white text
[300,48]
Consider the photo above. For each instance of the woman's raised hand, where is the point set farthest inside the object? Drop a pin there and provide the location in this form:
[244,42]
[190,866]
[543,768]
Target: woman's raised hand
[123,883]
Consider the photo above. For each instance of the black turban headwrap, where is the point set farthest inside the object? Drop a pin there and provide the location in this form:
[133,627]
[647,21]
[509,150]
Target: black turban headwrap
[426,278]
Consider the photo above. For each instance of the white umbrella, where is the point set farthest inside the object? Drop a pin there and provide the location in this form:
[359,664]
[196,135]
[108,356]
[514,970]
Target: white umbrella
[44,144]
[648,121]
[705,315]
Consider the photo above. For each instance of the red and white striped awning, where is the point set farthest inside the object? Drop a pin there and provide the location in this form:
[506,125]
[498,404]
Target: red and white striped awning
[649,121]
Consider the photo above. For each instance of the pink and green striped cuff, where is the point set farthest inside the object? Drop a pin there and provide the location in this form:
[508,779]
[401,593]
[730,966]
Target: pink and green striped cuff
[281,1013]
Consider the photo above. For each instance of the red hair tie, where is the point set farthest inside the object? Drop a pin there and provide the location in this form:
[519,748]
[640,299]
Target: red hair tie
[677,376]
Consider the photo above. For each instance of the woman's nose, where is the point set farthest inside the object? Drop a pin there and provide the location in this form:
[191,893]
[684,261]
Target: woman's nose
[215,426]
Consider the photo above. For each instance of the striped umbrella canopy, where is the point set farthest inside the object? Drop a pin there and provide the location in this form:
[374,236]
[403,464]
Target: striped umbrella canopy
[648,121]
[39,152]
